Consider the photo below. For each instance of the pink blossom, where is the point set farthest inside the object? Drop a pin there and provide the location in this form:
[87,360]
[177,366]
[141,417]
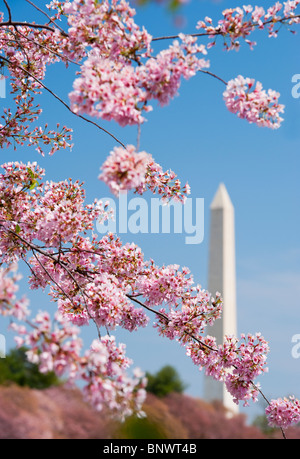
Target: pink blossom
[251,102]
[108,89]
[289,7]
[50,228]
[10,305]
[239,23]
[257,14]
[161,75]
[283,412]
[125,169]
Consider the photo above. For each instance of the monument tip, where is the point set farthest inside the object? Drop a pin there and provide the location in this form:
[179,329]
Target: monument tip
[221,199]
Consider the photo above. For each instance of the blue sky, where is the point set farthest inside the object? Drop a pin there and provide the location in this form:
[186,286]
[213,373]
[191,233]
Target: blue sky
[205,144]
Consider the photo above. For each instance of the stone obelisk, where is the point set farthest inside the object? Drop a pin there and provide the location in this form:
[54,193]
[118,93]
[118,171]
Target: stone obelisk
[222,278]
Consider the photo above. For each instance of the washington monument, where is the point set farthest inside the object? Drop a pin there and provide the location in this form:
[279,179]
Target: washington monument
[222,278]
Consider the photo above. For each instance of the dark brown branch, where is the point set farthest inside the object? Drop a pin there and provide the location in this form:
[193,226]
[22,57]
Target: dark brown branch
[214,76]
[10,22]
[218,32]
[50,19]
[51,278]
[133,297]
[61,100]
[163,316]
[63,58]
[29,24]
[203,345]
[174,37]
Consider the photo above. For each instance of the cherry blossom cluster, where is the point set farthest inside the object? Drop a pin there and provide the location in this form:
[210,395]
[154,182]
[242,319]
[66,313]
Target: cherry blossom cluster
[188,322]
[117,90]
[55,345]
[119,73]
[105,303]
[48,225]
[107,28]
[236,363]
[26,52]
[161,75]
[126,169]
[105,366]
[53,213]
[238,23]
[10,305]
[165,183]
[107,284]
[108,89]
[115,83]
[283,412]
[168,284]
[251,102]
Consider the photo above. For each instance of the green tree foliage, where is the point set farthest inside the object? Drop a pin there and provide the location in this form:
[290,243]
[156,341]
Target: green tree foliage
[164,382]
[135,428]
[261,423]
[16,368]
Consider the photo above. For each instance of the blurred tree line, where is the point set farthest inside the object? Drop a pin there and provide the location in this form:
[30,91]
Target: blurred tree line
[15,368]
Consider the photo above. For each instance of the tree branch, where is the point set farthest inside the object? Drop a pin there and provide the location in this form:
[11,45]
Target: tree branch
[34,248]
[29,24]
[218,32]
[213,75]
[163,316]
[61,100]
[50,19]
[8,10]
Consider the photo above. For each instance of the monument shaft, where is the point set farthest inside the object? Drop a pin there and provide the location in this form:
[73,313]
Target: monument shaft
[222,278]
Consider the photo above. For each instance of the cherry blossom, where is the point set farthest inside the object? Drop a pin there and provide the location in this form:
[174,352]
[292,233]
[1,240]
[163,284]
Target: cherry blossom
[56,346]
[251,102]
[283,412]
[104,283]
[101,283]
[10,305]
[126,169]
[238,23]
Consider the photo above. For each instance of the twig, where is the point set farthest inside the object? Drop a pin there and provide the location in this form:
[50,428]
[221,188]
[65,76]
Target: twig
[163,316]
[51,278]
[62,101]
[218,32]
[214,76]
[63,58]
[28,24]
[138,137]
[50,19]
[133,298]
